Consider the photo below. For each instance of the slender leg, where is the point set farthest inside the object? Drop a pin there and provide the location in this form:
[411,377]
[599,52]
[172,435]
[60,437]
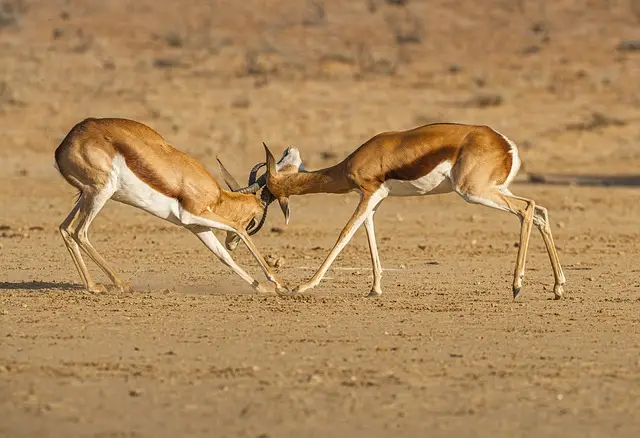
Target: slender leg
[364,209]
[541,221]
[90,207]
[209,239]
[526,213]
[211,220]
[66,230]
[376,288]
[524,209]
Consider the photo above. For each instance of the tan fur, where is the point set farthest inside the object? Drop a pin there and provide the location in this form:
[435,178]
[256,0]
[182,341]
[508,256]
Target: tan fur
[477,163]
[407,155]
[85,159]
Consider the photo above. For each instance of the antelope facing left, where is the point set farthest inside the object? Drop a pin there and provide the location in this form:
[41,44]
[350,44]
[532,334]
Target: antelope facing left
[131,163]
[476,162]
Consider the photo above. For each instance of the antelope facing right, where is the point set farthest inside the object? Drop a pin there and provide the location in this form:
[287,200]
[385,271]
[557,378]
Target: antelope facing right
[476,162]
[131,163]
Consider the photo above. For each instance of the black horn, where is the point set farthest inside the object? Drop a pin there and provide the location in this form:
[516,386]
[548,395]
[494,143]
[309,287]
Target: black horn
[267,199]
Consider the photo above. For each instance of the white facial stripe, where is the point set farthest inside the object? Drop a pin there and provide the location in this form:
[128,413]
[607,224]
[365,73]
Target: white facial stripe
[290,157]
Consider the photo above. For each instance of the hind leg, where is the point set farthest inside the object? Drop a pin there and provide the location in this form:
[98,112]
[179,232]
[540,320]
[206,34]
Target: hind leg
[66,230]
[521,207]
[541,221]
[90,205]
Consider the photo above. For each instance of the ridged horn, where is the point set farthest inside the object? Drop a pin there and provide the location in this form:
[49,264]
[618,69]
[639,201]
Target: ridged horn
[228,178]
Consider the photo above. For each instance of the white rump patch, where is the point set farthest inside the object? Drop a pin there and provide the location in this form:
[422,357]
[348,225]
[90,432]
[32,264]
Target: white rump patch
[133,191]
[515,160]
[436,181]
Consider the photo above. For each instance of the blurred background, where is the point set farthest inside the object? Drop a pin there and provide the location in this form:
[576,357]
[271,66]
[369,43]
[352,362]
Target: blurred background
[561,77]
[445,349]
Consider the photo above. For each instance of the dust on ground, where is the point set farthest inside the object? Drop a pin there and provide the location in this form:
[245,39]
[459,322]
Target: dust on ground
[445,351]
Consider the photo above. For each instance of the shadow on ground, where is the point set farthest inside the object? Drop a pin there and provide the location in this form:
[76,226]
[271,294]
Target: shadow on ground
[584,180]
[38,285]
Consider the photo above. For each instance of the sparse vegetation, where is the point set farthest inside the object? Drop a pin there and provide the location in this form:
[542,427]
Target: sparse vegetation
[314,13]
[484,100]
[174,39]
[595,121]
[11,11]
[406,27]
[629,46]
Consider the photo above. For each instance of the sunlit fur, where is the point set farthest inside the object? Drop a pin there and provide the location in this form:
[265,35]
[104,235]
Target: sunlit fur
[474,161]
[129,162]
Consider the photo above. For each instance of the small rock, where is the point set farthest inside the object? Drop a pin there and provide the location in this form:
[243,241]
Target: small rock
[422,247]
[171,353]
[277,230]
[560,225]
[559,397]
[314,378]
[36,228]
[135,392]
[399,217]
[434,262]
[4,227]
[592,279]
[474,241]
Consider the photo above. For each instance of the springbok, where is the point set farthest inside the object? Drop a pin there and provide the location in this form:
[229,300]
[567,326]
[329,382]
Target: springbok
[131,163]
[476,162]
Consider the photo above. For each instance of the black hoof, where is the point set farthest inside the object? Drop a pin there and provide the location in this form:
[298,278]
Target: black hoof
[516,291]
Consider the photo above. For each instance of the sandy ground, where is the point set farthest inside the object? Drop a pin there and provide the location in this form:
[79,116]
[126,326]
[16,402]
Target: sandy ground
[445,351]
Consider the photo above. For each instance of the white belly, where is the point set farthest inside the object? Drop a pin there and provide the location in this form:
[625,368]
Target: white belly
[436,181]
[133,191]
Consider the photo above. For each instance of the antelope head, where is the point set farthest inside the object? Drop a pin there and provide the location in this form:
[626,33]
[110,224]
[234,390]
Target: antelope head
[290,162]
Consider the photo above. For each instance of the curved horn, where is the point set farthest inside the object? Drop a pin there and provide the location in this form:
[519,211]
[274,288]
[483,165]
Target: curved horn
[253,188]
[254,172]
[228,178]
[254,184]
[267,198]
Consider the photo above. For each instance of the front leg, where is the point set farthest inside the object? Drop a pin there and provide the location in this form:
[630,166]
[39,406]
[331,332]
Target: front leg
[364,209]
[209,239]
[209,219]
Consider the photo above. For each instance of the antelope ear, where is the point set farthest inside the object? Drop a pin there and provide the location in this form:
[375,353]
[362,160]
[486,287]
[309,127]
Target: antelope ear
[228,178]
[284,205]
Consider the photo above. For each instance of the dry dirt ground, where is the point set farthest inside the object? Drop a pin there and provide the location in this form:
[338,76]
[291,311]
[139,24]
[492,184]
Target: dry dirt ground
[445,351]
